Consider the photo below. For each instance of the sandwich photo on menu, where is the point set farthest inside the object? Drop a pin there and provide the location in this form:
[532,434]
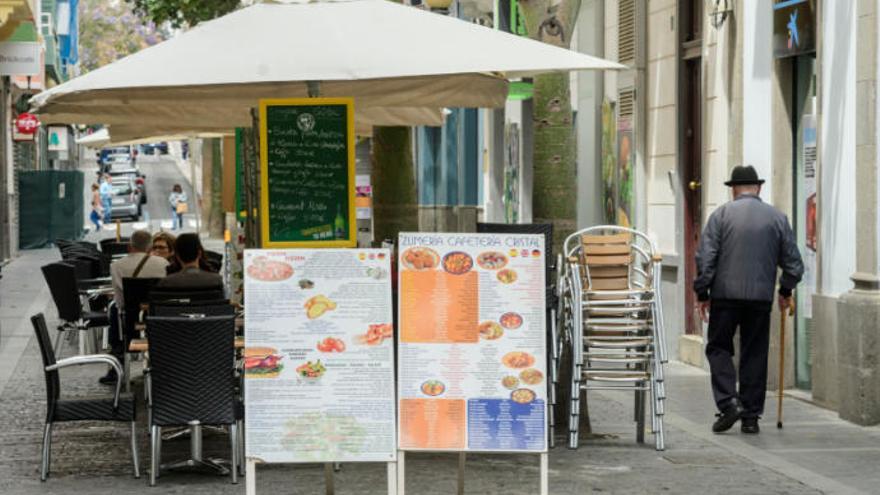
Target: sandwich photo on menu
[262,362]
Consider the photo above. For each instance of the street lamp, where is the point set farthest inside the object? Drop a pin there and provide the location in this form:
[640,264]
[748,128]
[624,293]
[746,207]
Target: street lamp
[718,11]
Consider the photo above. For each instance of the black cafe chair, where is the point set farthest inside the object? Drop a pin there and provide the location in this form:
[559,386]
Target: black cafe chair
[62,282]
[118,408]
[219,307]
[111,246]
[135,293]
[184,296]
[192,361]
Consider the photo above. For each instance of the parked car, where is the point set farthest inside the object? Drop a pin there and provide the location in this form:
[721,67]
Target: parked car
[132,173]
[126,200]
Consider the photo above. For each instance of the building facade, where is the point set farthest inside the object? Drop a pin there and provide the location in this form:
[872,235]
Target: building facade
[787,86]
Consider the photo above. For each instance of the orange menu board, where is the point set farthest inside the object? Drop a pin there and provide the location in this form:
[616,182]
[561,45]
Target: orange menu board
[472,346]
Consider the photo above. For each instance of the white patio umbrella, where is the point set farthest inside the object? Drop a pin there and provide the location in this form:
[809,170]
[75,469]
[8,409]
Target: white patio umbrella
[402,66]
[97,139]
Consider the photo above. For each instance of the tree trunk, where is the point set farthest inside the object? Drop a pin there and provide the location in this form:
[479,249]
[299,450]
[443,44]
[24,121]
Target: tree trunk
[395,208]
[554,195]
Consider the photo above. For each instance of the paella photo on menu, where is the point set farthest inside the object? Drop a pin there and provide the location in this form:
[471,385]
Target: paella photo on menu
[472,348]
[319,356]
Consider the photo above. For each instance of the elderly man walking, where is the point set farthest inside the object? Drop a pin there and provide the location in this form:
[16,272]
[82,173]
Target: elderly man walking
[742,245]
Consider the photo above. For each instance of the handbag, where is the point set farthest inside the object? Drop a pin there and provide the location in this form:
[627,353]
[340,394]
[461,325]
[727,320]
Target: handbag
[181,207]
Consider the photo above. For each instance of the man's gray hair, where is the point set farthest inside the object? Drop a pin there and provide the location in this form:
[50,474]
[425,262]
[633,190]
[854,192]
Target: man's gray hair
[141,240]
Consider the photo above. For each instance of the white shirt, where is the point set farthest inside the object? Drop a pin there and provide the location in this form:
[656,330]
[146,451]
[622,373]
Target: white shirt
[124,267]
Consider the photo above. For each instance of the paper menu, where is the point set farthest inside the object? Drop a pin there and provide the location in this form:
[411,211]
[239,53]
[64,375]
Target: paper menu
[472,350]
[319,356]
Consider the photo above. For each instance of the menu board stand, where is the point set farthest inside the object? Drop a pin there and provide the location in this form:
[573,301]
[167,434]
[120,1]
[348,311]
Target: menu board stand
[543,473]
[472,374]
[319,360]
[394,479]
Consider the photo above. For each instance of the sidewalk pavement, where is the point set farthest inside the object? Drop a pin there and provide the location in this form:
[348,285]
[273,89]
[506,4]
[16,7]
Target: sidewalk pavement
[815,452]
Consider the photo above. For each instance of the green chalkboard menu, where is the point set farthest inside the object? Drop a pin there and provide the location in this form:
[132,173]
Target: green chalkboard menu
[307,172]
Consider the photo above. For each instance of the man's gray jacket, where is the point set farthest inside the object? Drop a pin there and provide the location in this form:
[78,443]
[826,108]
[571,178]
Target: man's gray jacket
[742,245]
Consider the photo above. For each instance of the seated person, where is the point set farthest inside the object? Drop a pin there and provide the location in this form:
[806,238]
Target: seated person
[138,263]
[191,277]
[163,245]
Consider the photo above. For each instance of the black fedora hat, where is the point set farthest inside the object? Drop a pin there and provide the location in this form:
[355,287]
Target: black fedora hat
[744,176]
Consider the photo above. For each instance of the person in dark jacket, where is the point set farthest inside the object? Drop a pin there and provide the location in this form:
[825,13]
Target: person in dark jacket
[743,244]
[189,252]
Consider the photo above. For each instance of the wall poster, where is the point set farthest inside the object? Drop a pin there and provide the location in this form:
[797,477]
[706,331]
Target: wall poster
[809,157]
[319,356]
[472,344]
[609,162]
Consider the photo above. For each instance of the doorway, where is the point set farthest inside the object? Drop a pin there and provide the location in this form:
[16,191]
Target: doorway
[691,146]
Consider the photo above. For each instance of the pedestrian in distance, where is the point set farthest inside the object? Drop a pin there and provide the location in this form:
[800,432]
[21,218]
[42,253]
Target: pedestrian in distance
[97,208]
[177,200]
[743,243]
[106,192]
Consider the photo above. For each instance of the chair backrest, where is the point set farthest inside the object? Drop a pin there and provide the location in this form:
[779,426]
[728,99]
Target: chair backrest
[53,383]
[184,297]
[213,259]
[82,267]
[192,367]
[135,291]
[207,308]
[61,279]
[613,257]
[114,248]
[112,240]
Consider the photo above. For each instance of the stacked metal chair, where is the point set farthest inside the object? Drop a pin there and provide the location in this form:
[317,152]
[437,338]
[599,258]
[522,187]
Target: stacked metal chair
[612,313]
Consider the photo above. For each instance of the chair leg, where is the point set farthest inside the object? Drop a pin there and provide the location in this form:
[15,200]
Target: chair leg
[47,446]
[241,461]
[233,440]
[154,453]
[134,451]
[59,339]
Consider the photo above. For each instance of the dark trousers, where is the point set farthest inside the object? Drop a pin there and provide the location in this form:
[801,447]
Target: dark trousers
[753,320]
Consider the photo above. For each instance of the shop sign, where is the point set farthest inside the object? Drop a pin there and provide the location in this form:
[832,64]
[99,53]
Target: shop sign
[57,138]
[794,27]
[20,58]
[27,123]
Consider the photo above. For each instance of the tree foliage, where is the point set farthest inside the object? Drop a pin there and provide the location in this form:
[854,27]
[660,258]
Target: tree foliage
[110,31]
[181,13]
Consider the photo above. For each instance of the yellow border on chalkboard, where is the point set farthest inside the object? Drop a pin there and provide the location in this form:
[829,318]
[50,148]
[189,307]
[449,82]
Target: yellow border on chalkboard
[264,176]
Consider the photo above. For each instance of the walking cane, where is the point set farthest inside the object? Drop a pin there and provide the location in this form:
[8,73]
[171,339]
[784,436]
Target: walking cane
[782,318]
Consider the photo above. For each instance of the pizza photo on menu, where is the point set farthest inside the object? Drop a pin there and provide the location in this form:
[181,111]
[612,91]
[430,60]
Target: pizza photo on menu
[518,359]
[522,396]
[420,259]
[266,270]
[457,263]
[492,260]
[511,320]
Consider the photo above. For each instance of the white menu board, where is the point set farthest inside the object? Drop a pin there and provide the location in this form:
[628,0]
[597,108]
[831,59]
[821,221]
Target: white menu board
[472,367]
[319,355]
